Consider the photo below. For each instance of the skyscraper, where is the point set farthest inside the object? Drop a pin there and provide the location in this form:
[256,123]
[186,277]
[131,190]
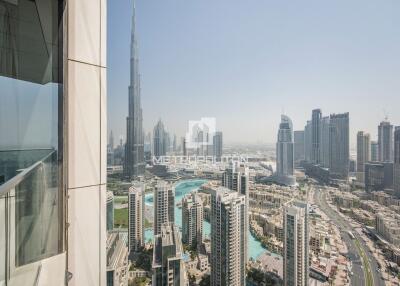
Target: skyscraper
[236,178]
[315,136]
[192,220]
[385,142]
[134,164]
[284,153]
[396,168]
[168,266]
[164,203]
[363,153]
[184,149]
[159,140]
[217,145]
[339,145]
[308,141]
[136,208]
[295,244]
[174,143]
[228,238]
[374,151]
[325,142]
[110,211]
[110,150]
[299,147]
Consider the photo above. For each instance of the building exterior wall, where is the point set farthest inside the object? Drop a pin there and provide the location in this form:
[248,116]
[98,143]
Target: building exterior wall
[136,209]
[86,133]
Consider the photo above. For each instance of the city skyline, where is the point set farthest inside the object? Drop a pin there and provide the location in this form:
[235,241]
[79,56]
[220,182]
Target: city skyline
[349,76]
[79,206]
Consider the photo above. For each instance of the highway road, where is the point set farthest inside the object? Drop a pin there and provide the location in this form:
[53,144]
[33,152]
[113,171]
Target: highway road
[355,255]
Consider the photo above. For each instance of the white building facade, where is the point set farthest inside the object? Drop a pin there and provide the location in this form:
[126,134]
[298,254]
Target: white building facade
[136,208]
[228,238]
[164,205]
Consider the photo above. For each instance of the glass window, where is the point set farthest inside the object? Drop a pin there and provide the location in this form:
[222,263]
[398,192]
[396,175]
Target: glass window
[31,112]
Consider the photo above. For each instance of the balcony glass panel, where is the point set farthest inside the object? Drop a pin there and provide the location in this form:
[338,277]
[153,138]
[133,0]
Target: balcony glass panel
[31,145]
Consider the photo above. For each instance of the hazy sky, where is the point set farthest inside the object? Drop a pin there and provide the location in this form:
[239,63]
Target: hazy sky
[244,62]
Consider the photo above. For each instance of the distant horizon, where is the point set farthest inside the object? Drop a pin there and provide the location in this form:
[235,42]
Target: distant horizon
[258,61]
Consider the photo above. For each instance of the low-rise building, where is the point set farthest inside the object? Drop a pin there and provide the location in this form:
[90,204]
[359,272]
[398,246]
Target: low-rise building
[387,225]
[363,216]
[202,263]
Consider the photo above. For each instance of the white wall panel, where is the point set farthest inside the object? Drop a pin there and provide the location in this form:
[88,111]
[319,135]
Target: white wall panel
[83,125]
[84,31]
[84,234]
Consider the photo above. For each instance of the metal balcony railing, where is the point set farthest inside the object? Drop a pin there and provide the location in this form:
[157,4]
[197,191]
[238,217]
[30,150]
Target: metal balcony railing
[30,220]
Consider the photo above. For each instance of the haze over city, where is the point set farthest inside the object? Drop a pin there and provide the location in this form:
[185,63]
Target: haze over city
[246,64]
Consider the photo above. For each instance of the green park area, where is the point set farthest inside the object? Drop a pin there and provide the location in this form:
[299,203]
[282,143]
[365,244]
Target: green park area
[121,219]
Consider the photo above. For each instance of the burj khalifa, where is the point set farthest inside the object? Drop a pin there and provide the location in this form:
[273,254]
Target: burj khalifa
[134,164]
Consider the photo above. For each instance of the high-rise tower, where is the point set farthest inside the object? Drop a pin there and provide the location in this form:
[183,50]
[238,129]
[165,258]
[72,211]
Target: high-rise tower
[134,164]
[236,178]
[192,220]
[363,153]
[159,140]
[228,238]
[316,136]
[168,266]
[295,244]
[164,204]
[284,153]
[136,217]
[339,146]
[308,141]
[298,147]
[374,151]
[325,142]
[217,145]
[385,142]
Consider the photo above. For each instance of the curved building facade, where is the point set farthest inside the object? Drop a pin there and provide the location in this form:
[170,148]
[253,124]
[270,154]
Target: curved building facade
[284,153]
